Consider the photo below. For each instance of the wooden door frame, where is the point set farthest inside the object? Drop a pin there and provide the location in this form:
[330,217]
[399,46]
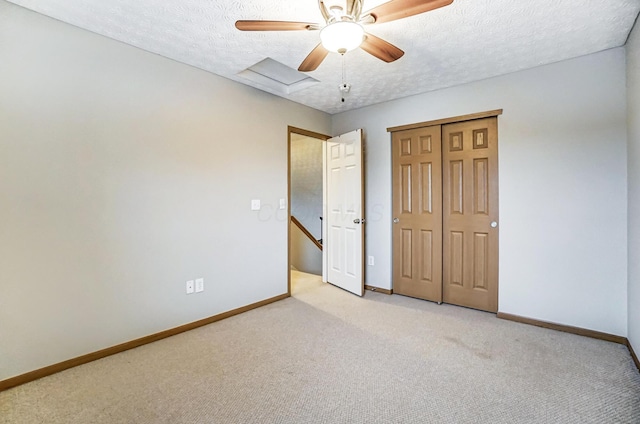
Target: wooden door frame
[452,120]
[306,133]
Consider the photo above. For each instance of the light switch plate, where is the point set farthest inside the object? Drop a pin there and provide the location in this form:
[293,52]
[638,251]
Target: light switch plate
[190,286]
[371,261]
[255,204]
[199,285]
[283,203]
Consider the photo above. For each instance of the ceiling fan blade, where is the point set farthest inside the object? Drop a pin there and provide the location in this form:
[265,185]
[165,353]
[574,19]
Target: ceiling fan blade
[398,9]
[315,58]
[275,26]
[381,49]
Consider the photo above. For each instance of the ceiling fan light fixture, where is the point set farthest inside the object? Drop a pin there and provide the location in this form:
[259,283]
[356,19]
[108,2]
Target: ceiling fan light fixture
[342,36]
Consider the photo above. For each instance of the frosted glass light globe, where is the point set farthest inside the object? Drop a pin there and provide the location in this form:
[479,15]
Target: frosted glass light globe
[342,36]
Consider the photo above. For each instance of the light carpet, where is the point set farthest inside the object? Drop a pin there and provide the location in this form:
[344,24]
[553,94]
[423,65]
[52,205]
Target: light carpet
[327,356]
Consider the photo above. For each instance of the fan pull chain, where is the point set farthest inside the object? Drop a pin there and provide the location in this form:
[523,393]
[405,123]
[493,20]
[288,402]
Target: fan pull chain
[344,87]
[344,68]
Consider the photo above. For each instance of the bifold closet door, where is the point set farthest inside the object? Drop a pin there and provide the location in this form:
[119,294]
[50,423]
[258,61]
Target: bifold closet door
[417,213]
[470,214]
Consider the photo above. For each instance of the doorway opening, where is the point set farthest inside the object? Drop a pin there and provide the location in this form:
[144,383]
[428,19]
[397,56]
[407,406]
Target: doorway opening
[306,205]
[341,235]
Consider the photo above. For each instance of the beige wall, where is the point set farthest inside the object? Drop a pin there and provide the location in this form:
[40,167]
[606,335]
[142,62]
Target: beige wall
[563,190]
[633,126]
[122,175]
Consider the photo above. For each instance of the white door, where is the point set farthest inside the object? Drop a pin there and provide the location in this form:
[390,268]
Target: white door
[343,229]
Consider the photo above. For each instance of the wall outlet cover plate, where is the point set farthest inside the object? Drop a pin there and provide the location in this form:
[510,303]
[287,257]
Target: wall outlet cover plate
[190,287]
[199,285]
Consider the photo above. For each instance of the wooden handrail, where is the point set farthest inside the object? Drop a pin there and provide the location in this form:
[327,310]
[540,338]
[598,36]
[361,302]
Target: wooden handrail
[306,232]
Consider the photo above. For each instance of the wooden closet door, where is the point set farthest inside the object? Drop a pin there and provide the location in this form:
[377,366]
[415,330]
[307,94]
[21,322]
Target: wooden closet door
[470,214]
[417,213]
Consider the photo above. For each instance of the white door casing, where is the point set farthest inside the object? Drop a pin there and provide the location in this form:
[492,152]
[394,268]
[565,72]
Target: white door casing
[343,230]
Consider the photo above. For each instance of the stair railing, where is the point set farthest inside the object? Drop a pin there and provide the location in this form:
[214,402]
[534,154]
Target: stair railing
[306,232]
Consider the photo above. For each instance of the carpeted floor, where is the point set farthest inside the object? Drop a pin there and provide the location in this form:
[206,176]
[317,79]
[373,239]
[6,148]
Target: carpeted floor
[327,356]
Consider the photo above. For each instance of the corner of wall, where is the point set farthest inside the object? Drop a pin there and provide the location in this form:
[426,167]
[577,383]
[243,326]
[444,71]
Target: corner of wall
[632,49]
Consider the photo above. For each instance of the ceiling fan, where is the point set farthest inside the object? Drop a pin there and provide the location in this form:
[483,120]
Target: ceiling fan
[343,30]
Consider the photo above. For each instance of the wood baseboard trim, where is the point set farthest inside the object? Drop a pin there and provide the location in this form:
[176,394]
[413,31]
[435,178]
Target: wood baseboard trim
[565,328]
[633,355]
[61,366]
[378,289]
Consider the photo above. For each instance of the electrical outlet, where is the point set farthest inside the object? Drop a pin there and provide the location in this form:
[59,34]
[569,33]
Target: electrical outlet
[370,261]
[190,287]
[199,285]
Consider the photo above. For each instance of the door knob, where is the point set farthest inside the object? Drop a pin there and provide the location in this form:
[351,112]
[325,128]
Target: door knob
[494,224]
[396,220]
[356,221]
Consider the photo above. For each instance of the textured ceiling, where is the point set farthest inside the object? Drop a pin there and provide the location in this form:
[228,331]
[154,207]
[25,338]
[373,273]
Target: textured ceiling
[466,41]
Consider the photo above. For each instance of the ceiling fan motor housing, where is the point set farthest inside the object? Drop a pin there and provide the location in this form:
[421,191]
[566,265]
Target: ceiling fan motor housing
[347,10]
